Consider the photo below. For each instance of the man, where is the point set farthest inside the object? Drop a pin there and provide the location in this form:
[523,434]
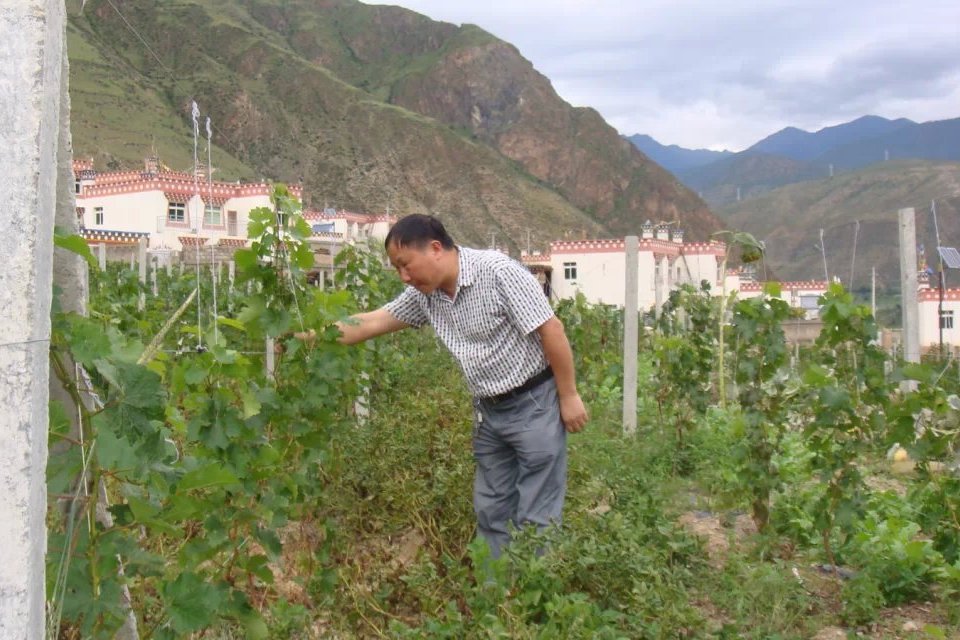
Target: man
[492,315]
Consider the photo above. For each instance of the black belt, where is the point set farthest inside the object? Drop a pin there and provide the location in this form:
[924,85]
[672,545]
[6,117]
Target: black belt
[531,383]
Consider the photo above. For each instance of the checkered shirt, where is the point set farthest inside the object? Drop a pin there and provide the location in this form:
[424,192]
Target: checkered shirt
[490,323]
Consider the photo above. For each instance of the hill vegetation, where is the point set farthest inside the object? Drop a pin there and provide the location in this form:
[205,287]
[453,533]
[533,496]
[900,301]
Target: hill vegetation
[789,218]
[372,107]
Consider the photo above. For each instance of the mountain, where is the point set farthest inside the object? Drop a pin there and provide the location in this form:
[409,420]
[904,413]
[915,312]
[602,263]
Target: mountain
[374,107]
[789,219]
[938,140]
[749,173]
[793,155]
[802,145]
[674,158]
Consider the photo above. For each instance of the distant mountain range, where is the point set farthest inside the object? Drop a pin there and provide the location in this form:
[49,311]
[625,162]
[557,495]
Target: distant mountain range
[674,158]
[792,155]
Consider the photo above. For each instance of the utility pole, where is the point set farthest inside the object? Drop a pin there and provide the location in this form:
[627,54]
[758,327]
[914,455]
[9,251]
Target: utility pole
[936,228]
[823,252]
[853,260]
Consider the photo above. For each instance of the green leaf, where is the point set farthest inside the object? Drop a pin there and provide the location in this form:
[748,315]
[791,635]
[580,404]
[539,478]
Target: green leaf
[77,245]
[303,256]
[195,373]
[191,603]
[256,628]
[251,405]
[772,289]
[141,509]
[113,451]
[211,475]
[87,340]
[230,322]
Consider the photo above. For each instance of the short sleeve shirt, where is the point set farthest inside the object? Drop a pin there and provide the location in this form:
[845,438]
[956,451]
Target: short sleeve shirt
[489,325]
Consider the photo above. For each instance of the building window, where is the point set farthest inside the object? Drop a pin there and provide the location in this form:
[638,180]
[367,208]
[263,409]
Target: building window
[211,215]
[176,212]
[569,270]
[946,320]
[98,215]
[76,185]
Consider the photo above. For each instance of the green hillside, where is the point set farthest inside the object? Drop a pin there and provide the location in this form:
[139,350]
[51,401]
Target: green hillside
[789,220]
[344,96]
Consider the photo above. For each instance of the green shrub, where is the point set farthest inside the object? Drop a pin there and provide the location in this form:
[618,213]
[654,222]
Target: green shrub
[862,599]
[892,552]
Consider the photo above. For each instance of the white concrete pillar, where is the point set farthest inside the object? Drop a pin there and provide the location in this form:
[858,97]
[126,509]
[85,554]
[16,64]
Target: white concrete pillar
[908,285]
[32,47]
[102,255]
[659,284]
[142,274]
[630,328]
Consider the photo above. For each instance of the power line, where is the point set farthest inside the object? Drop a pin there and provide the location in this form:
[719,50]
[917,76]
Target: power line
[170,74]
[139,37]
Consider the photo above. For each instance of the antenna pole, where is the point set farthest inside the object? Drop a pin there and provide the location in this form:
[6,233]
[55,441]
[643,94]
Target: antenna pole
[853,260]
[823,252]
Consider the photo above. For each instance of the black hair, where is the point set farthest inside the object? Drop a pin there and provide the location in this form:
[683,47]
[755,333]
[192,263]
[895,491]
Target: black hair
[418,230]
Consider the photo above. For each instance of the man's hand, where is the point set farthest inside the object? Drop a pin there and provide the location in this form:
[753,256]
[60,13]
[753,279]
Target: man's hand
[573,413]
[309,337]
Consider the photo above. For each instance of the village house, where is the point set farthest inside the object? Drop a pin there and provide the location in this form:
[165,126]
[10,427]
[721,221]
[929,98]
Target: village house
[929,318]
[596,268]
[186,217]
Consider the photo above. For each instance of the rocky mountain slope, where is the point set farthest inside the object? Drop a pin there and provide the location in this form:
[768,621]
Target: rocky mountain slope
[373,107]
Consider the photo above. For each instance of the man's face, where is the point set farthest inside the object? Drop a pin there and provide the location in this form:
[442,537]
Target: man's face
[418,267]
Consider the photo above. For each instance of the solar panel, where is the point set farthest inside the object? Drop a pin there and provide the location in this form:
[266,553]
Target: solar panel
[950,256]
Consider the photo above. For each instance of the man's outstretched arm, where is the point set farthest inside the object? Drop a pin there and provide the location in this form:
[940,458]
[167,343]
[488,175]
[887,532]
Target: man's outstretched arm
[360,327]
[370,324]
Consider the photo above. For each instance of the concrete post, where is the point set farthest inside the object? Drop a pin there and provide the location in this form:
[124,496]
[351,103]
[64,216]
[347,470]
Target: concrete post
[32,44]
[659,284]
[270,359]
[908,285]
[142,265]
[102,255]
[231,273]
[630,314]
[154,274]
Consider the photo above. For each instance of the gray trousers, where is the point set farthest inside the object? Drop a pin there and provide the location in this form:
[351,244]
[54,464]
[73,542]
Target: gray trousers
[520,446]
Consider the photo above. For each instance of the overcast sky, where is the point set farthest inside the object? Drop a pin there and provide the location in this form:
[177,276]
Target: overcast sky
[725,74]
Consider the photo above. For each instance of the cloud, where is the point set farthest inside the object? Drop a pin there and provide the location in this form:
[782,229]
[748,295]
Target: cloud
[724,75]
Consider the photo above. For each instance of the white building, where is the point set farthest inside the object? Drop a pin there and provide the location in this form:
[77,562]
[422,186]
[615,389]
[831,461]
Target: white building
[928,302]
[596,268]
[187,217]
